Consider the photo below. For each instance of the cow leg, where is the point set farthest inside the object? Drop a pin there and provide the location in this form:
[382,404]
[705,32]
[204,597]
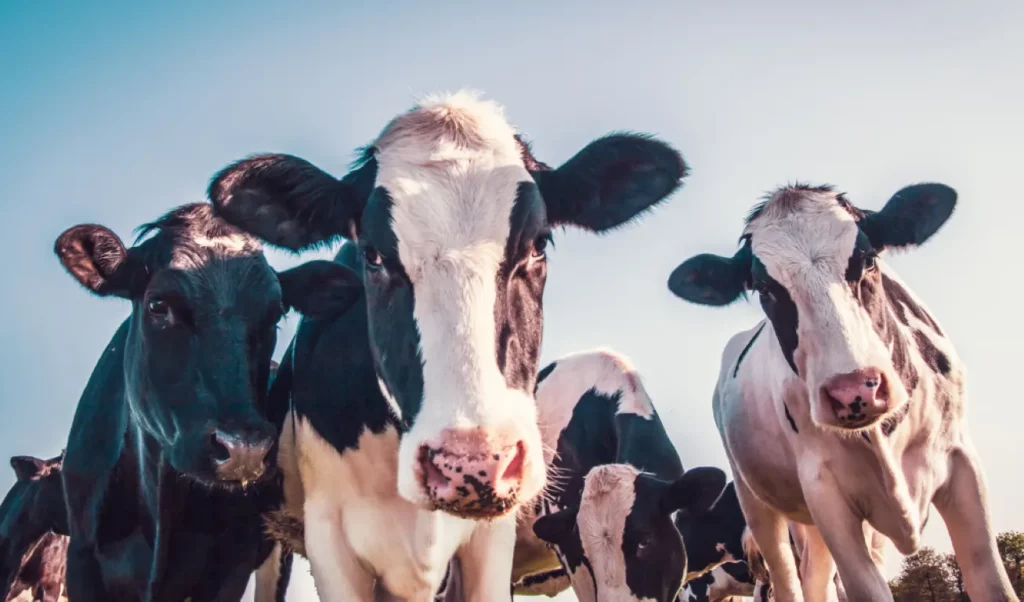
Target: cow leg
[84,576]
[843,534]
[272,576]
[963,504]
[817,567]
[338,574]
[771,532]
[486,560]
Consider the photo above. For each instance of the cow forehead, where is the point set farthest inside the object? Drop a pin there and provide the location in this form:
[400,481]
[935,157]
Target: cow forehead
[797,229]
[452,168]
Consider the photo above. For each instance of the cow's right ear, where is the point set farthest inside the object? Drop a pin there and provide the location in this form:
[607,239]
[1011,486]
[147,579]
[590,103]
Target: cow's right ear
[288,201]
[96,258]
[711,279]
[554,528]
[26,468]
[695,491]
[320,289]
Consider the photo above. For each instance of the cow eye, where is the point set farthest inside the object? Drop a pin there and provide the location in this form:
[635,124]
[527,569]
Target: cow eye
[869,263]
[373,259]
[160,311]
[763,289]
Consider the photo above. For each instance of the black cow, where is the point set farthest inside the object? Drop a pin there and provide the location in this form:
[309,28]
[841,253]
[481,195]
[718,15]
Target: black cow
[719,539]
[616,482]
[169,464]
[33,529]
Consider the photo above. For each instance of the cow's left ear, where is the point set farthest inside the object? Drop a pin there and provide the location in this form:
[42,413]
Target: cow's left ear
[611,181]
[695,491]
[910,217]
[319,289]
[555,527]
[26,468]
[99,261]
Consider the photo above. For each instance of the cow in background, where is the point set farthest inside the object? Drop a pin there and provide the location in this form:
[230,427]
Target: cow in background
[33,530]
[616,483]
[170,463]
[844,410]
[452,215]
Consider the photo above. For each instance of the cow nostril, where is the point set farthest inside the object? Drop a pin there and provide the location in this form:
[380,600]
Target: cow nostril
[514,470]
[221,447]
[871,383]
[432,475]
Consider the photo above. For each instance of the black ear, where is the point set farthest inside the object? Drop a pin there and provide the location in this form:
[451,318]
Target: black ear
[611,181]
[554,528]
[711,279]
[695,491]
[320,289]
[26,468]
[910,217]
[97,258]
[287,201]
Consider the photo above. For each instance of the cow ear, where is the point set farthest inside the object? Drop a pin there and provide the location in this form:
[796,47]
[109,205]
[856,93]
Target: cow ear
[695,491]
[287,201]
[319,289]
[554,528]
[910,217]
[610,182]
[711,279]
[96,258]
[26,468]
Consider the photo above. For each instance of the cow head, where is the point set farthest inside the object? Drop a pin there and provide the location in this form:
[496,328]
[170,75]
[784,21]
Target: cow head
[453,215]
[36,501]
[814,260]
[620,543]
[205,307]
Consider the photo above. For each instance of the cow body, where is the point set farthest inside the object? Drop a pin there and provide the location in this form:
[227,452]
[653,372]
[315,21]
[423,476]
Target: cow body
[33,531]
[169,464]
[438,437]
[616,482]
[844,411]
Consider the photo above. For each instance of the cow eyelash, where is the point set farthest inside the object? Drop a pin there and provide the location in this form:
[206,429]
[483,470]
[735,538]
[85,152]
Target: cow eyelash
[541,244]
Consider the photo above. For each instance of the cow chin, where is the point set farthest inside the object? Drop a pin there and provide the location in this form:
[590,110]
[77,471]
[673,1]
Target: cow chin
[473,472]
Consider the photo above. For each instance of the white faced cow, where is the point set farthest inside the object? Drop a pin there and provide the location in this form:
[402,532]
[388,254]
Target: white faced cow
[845,410]
[452,215]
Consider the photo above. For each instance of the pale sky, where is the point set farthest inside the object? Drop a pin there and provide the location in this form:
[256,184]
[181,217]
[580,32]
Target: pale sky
[116,114]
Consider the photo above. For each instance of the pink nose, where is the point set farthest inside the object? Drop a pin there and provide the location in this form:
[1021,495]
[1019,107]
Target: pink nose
[470,475]
[858,398]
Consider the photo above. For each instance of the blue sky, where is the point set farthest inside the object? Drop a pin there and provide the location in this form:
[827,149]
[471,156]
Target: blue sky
[115,114]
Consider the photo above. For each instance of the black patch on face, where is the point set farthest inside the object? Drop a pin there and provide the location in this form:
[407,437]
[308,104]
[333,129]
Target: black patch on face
[935,359]
[789,417]
[518,305]
[390,299]
[738,571]
[780,309]
[870,293]
[655,556]
[746,348]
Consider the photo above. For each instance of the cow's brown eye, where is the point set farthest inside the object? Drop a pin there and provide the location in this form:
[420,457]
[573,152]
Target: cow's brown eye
[870,264]
[540,246]
[158,308]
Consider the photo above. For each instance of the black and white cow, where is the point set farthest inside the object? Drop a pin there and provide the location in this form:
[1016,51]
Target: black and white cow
[846,406]
[616,483]
[33,530]
[723,556]
[452,215]
[169,463]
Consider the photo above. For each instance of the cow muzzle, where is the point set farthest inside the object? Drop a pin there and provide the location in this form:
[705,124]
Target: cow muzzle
[470,473]
[240,456]
[857,399]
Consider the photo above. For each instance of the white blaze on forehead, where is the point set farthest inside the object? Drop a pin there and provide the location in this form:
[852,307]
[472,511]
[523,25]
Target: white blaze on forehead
[608,495]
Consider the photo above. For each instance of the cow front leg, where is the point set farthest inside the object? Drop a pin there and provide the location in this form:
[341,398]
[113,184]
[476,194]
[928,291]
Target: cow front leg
[817,567]
[963,504]
[485,561]
[338,574]
[843,534]
[771,532]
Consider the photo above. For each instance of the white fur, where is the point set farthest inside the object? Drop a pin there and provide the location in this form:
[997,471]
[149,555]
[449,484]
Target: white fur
[721,588]
[849,489]
[452,168]
[361,534]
